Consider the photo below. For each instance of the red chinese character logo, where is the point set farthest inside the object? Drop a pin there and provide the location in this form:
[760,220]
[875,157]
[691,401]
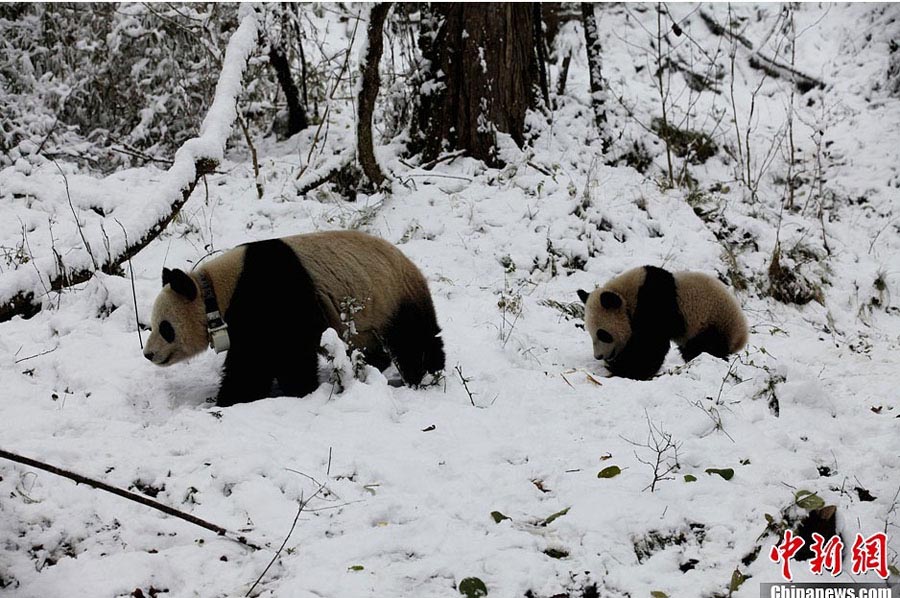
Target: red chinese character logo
[783,552]
[870,554]
[827,555]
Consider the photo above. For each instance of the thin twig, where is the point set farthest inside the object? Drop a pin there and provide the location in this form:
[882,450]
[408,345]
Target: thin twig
[137,320]
[249,140]
[133,153]
[37,355]
[300,507]
[438,175]
[47,136]
[465,384]
[540,169]
[75,216]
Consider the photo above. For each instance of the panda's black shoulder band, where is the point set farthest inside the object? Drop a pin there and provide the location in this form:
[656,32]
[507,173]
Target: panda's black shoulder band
[216,328]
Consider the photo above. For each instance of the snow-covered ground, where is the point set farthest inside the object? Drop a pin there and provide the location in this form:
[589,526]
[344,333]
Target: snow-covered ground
[411,477]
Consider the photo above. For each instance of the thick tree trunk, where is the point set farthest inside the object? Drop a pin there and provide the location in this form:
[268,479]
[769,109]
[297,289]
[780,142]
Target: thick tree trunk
[297,120]
[482,74]
[368,93]
[598,95]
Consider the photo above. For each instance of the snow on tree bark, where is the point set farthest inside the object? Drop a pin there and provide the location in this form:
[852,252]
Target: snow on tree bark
[595,71]
[481,75]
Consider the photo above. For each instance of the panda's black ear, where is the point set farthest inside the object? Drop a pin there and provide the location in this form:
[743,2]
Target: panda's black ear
[610,300]
[180,282]
[583,295]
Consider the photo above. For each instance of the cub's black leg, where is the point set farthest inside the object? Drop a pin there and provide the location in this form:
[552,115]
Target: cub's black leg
[656,320]
[244,379]
[641,358]
[710,340]
[413,341]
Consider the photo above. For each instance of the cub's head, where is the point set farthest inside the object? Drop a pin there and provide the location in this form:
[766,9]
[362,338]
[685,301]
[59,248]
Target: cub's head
[606,320]
[178,323]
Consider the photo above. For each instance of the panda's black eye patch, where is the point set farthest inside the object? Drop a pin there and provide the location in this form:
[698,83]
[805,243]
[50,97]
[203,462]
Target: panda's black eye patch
[166,331]
[604,337]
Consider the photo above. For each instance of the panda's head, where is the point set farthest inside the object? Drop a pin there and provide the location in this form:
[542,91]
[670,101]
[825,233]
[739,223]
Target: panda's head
[178,323]
[606,320]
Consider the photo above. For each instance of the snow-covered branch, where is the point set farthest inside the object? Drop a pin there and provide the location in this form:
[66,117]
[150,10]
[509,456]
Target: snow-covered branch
[62,264]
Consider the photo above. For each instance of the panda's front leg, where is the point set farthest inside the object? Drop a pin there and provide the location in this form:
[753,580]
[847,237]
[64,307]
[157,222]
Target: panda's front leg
[246,377]
[297,371]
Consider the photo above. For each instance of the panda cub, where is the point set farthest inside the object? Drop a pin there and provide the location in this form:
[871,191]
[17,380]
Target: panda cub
[634,316]
[269,302]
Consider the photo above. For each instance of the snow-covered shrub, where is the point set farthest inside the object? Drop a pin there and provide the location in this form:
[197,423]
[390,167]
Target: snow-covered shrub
[336,366]
[77,77]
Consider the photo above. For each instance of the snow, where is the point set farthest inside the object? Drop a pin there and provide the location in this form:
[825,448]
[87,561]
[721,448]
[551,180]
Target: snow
[411,476]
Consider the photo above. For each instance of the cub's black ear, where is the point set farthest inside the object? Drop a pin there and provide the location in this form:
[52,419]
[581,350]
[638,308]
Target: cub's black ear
[583,295]
[180,282]
[610,300]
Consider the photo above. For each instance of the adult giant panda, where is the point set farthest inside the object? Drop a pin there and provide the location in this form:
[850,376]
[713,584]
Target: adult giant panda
[276,297]
[634,316]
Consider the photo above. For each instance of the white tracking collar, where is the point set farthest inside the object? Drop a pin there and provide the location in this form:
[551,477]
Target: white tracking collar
[216,328]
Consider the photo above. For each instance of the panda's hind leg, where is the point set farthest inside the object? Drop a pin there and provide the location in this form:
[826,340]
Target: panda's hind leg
[710,340]
[377,357]
[413,340]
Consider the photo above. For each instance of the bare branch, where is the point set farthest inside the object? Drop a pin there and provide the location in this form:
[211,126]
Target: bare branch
[138,498]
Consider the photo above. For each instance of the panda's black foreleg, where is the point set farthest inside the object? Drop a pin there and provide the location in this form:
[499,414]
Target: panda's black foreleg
[413,340]
[245,378]
[709,340]
[641,357]
[297,371]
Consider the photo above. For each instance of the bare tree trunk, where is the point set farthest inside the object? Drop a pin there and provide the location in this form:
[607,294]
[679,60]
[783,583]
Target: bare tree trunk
[541,54]
[482,76]
[297,120]
[368,93]
[598,95]
[563,75]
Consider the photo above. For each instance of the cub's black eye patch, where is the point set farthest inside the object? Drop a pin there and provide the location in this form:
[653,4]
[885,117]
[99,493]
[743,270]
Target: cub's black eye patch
[166,331]
[604,337]
[610,300]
